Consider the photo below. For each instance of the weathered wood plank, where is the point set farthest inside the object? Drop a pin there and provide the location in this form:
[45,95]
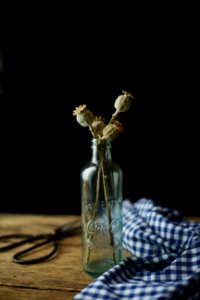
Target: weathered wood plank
[12,293]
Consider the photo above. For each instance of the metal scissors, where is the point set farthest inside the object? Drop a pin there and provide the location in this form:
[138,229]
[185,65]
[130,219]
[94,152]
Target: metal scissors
[49,239]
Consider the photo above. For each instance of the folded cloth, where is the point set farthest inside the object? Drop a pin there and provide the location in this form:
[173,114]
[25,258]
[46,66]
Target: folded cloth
[164,261]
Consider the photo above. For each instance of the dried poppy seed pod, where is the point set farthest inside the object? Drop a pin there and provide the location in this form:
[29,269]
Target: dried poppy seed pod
[83,116]
[112,131]
[98,125]
[122,103]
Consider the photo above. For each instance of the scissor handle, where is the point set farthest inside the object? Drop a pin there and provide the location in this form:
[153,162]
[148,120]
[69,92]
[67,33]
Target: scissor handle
[47,239]
[24,238]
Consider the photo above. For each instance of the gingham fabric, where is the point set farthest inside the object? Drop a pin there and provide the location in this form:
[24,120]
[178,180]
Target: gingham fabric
[165,260]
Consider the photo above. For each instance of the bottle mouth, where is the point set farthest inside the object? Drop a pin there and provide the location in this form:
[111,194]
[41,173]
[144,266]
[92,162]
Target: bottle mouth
[97,142]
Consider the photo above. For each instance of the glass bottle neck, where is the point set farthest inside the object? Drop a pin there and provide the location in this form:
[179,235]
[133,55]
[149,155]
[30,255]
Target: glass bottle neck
[101,150]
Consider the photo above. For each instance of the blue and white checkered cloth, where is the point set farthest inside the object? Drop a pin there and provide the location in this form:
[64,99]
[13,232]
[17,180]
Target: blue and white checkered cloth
[165,261]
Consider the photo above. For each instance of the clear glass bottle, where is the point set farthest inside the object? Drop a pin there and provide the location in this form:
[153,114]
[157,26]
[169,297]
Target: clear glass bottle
[101,202]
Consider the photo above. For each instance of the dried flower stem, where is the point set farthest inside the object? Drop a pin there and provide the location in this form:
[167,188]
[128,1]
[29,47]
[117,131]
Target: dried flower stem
[95,207]
[106,194]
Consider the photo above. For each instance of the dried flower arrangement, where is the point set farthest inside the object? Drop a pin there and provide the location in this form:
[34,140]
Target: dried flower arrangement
[97,125]
[102,133]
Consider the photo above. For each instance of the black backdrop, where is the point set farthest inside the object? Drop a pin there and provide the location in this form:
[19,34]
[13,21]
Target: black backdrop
[51,68]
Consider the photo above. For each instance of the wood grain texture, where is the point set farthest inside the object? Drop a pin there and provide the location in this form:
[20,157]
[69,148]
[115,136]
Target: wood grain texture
[58,278]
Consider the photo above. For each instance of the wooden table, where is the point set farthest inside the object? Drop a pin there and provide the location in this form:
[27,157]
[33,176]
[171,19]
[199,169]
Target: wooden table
[60,278]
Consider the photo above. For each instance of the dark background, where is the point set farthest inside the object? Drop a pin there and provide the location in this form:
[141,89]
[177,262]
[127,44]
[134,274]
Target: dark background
[54,62]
